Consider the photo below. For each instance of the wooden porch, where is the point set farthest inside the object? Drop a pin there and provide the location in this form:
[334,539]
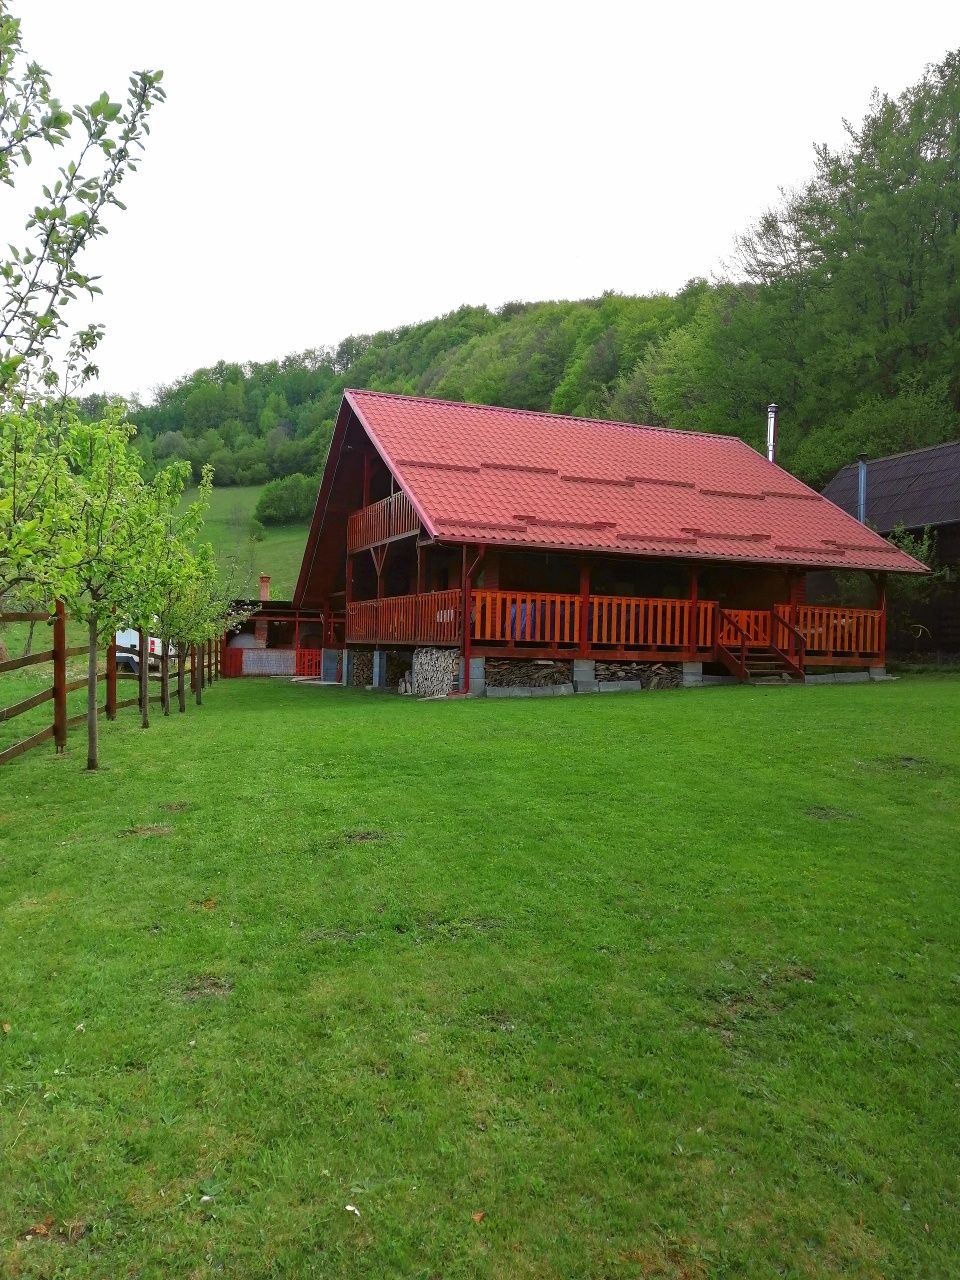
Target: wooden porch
[523,624]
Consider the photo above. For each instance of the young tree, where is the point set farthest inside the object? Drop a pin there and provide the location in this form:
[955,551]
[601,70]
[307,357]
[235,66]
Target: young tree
[38,282]
[105,536]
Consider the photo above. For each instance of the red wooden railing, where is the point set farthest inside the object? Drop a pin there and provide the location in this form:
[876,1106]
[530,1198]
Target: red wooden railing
[431,618]
[838,631]
[549,622]
[392,517]
[526,616]
[548,619]
[628,622]
[309,662]
[749,625]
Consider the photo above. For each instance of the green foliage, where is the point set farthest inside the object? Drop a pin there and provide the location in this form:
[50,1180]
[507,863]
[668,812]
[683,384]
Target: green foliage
[287,501]
[844,307]
[40,279]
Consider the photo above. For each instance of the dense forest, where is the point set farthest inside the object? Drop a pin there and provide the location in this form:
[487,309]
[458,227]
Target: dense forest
[842,304]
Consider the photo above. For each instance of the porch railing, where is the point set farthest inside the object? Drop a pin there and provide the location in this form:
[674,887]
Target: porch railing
[432,618]
[392,517]
[838,631]
[525,617]
[544,624]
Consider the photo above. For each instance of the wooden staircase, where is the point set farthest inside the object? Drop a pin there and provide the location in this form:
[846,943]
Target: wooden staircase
[752,658]
[766,665]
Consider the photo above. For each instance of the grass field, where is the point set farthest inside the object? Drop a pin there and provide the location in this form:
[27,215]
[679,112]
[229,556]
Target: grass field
[661,985]
[278,553]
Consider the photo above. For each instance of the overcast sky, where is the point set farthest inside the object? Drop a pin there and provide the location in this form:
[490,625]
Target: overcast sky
[326,169]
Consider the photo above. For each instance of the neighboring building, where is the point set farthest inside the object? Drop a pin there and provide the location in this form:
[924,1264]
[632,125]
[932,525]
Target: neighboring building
[450,535]
[918,490]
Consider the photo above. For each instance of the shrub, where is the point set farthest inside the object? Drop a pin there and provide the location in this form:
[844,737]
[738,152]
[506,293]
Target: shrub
[287,501]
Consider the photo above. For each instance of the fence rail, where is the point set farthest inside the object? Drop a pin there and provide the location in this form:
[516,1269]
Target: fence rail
[204,667]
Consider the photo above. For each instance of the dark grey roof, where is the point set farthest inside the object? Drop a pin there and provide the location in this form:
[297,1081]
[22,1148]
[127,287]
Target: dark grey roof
[913,489]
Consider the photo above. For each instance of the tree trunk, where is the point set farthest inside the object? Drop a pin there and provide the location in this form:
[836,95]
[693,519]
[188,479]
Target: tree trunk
[144,680]
[164,677]
[28,647]
[181,683]
[93,743]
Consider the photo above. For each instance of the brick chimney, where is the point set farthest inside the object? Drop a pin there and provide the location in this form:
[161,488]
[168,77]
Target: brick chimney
[264,586]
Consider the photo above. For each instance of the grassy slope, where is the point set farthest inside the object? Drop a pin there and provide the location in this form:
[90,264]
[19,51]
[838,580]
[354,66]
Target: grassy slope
[279,553]
[663,985]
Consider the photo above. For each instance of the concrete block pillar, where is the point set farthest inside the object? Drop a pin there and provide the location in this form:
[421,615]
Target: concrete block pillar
[478,677]
[585,675]
[379,668]
[878,673]
[691,674]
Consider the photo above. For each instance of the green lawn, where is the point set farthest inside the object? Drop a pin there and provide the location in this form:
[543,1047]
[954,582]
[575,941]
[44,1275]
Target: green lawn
[279,553]
[661,985]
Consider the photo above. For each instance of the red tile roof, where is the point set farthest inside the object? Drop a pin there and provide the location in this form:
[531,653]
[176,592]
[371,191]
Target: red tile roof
[482,474]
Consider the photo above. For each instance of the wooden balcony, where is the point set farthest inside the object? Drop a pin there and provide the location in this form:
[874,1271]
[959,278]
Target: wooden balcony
[392,517]
[540,624]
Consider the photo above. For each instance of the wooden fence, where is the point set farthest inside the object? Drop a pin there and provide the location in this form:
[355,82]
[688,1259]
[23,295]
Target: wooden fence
[202,666]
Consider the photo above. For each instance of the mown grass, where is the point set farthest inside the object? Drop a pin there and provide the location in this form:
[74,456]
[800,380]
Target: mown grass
[658,985]
[279,551]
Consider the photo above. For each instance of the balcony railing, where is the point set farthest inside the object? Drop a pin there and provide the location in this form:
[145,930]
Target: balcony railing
[613,622]
[549,624]
[392,517]
[432,618]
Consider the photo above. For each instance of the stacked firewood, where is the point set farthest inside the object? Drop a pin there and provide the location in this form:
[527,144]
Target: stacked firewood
[510,673]
[362,668]
[405,683]
[652,675]
[436,672]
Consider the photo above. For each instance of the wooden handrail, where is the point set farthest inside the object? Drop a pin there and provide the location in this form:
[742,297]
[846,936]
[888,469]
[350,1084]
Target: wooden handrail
[724,617]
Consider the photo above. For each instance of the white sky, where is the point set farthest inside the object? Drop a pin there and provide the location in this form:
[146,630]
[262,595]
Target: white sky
[321,169]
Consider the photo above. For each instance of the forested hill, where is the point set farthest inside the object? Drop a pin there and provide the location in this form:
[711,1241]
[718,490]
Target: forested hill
[843,305]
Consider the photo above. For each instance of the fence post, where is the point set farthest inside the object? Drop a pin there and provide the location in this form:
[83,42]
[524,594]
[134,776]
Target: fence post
[59,676]
[111,707]
[209,647]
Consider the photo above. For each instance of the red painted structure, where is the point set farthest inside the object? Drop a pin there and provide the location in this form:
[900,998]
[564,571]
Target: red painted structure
[503,532]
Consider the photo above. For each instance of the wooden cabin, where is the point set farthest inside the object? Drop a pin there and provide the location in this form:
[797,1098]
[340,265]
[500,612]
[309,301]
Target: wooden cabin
[504,534]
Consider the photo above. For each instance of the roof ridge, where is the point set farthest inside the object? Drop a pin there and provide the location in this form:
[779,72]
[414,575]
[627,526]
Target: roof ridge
[904,453]
[545,413]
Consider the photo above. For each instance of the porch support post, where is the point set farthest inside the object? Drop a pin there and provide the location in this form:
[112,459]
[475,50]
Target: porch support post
[691,669]
[583,648]
[692,615]
[421,570]
[879,671]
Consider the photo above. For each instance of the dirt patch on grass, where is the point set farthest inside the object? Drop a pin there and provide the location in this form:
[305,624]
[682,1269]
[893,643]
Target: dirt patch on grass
[334,935]
[48,1231]
[921,765]
[207,987]
[150,829]
[361,837]
[764,1000]
[824,813]
[175,806]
